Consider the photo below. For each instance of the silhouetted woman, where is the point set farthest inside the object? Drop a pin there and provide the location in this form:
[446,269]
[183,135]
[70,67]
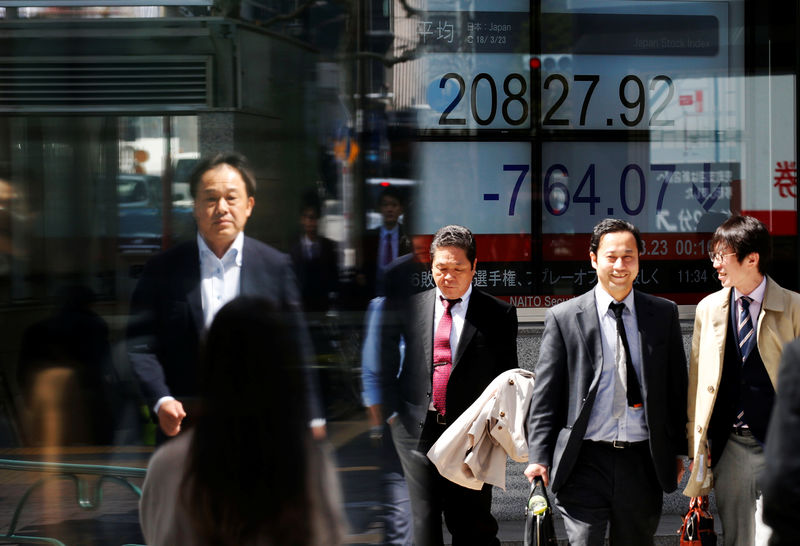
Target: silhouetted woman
[248,472]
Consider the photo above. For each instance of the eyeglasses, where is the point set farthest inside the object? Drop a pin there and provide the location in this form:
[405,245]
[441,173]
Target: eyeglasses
[719,256]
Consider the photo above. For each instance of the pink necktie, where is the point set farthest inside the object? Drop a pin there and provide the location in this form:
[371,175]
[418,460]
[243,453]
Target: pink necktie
[442,356]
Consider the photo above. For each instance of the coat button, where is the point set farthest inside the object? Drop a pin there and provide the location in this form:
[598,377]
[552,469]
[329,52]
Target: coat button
[711,389]
[502,414]
[510,381]
[699,428]
[500,427]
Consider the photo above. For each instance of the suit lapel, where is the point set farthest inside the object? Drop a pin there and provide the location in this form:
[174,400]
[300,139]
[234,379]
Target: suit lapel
[469,326]
[720,316]
[424,314]
[246,275]
[193,297]
[589,331]
[645,323]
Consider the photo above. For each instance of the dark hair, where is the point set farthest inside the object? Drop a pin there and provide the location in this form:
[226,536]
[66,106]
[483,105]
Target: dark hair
[390,191]
[614,225]
[745,235]
[310,200]
[234,160]
[247,477]
[457,236]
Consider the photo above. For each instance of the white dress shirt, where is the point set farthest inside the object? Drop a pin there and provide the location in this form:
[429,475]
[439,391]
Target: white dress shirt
[219,282]
[219,278]
[459,313]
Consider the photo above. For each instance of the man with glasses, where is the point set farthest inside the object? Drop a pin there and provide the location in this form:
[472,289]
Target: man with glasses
[739,335]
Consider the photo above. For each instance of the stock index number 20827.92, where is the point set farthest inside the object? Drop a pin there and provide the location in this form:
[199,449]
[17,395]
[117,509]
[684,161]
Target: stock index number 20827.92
[580,101]
[561,98]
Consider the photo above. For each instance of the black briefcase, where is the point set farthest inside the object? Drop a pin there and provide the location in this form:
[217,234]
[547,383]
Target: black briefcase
[539,528]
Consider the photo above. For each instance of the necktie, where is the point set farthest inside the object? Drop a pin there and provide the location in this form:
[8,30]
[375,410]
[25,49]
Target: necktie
[744,328]
[442,356]
[387,250]
[634,393]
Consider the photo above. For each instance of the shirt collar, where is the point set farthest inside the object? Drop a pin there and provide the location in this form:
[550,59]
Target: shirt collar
[756,295]
[464,299]
[385,232]
[233,253]
[604,299]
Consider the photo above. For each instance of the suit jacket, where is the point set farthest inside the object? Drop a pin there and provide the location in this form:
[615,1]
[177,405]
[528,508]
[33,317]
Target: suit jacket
[167,323]
[318,276]
[370,254]
[568,374]
[781,480]
[486,348]
[778,323]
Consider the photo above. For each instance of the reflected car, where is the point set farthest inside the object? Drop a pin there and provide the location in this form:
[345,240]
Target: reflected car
[139,202]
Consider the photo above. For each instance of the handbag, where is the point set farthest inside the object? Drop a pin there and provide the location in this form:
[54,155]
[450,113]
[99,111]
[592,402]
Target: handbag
[698,524]
[539,528]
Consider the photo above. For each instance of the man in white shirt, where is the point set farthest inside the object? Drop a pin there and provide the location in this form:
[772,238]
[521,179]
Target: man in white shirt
[181,290]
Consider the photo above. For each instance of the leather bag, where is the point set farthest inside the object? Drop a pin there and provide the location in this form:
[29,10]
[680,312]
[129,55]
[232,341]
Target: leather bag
[698,524]
[539,528]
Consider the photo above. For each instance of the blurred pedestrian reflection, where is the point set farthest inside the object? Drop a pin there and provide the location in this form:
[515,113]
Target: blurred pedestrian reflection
[66,375]
[315,261]
[249,471]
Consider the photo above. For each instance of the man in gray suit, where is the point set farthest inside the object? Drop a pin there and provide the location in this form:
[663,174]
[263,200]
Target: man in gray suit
[607,419]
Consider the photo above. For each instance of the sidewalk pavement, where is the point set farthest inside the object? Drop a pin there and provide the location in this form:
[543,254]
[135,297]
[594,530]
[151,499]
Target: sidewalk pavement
[512,532]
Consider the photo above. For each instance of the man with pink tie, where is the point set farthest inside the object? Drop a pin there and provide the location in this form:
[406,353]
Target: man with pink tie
[458,339]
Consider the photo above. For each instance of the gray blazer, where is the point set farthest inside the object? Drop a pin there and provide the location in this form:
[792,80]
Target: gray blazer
[568,373]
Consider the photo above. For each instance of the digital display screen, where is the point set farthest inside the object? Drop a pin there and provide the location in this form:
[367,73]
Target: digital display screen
[625,109]
[475,68]
[641,121]
[629,67]
[485,186]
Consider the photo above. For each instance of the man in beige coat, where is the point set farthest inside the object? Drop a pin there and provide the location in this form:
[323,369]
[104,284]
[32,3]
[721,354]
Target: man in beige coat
[739,334]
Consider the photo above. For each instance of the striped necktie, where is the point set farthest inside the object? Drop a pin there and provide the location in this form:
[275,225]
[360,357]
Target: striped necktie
[744,328]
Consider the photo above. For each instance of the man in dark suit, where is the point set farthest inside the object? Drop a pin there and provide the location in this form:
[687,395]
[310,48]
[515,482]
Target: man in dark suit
[606,422]
[315,261]
[780,482]
[181,290]
[384,243]
[457,339]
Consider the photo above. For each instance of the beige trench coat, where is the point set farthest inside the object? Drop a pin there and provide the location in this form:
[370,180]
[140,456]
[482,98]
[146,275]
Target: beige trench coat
[472,451]
[778,323]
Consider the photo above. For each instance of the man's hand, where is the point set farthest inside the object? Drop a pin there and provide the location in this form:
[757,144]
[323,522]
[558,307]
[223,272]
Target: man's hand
[170,416]
[534,470]
[374,414]
[681,468]
[319,432]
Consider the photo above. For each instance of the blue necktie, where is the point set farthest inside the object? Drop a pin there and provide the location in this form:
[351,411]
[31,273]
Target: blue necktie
[744,328]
